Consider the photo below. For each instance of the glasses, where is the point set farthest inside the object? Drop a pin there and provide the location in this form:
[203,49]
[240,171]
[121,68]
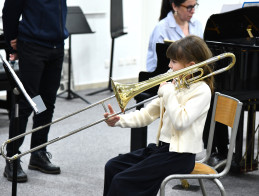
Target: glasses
[190,7]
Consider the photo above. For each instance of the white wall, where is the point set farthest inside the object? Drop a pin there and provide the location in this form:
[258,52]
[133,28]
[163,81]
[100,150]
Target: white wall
[91,52]
[209,7]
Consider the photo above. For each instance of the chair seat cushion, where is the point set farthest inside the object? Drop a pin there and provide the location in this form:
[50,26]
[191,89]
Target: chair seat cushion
[201,168]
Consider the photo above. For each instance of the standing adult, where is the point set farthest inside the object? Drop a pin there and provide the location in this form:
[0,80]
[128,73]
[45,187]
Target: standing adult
[38,41]
[176,22]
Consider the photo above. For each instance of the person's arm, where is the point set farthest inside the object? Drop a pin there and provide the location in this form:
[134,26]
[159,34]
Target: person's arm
[11,14]
[138,118]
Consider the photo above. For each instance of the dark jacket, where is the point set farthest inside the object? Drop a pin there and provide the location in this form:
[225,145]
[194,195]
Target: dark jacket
[43,21]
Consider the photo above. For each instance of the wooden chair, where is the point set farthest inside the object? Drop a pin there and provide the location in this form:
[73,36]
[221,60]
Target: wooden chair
[226,110]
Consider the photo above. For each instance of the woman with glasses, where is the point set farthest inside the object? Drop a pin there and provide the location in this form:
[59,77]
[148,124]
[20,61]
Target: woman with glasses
[176,22]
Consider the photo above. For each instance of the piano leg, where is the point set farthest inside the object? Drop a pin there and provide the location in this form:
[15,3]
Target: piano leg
[250,140]
[249,163]
[239,145]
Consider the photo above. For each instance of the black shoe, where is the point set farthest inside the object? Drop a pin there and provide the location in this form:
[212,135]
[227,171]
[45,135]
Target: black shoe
[215,159]
[40,161]
[8,172]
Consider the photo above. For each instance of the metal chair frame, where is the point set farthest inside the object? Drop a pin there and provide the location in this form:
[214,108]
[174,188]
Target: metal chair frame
[226,110]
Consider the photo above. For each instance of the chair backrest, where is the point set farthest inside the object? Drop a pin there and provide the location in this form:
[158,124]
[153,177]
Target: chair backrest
[226,110]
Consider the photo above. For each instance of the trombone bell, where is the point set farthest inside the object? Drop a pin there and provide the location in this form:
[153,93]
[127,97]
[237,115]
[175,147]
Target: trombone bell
[123,93]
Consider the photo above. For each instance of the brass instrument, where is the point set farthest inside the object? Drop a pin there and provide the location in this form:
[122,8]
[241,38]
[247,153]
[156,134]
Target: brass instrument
[125,92]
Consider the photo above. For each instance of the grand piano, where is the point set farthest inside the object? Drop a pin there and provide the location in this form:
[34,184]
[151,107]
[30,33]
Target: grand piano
[237,32]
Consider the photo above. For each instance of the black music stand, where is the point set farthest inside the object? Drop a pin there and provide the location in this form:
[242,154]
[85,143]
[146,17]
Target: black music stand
[76,24]
[36,103]
[116,27]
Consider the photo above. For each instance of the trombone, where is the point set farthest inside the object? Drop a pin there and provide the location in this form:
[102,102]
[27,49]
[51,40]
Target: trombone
[124,93]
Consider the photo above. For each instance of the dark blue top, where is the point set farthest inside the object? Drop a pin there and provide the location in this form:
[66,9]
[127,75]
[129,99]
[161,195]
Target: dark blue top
[42,22]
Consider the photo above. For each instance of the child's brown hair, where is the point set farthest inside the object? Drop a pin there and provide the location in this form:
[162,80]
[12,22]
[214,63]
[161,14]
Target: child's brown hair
[192,48]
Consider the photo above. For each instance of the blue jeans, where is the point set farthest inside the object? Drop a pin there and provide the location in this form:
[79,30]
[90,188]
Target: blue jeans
[40,73]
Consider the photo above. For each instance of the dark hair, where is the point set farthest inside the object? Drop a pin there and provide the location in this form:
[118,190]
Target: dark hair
[192,48]
[166,6]
[177,2]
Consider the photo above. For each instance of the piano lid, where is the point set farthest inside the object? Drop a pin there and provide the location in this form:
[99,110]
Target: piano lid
[237,26]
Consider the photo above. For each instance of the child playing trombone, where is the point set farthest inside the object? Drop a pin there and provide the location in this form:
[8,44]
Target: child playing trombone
[182,114]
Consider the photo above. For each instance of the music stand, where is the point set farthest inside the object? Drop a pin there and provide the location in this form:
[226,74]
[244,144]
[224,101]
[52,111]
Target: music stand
[76,24]
[116,27]
[36,104]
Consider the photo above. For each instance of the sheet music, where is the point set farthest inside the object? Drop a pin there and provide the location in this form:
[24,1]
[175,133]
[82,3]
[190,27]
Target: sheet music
[20,85]
[230,7]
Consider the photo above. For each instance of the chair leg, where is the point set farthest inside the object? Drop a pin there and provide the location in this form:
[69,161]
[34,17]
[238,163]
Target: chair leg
[202,187]
[220,186]
[162,188]
[185,184]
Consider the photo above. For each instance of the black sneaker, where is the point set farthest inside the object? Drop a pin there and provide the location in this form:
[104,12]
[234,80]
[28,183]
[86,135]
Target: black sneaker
[40,161]
[8,172]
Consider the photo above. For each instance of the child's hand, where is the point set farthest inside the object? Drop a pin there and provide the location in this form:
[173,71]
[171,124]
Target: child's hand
[169,86]
[164,83]
[112,120]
